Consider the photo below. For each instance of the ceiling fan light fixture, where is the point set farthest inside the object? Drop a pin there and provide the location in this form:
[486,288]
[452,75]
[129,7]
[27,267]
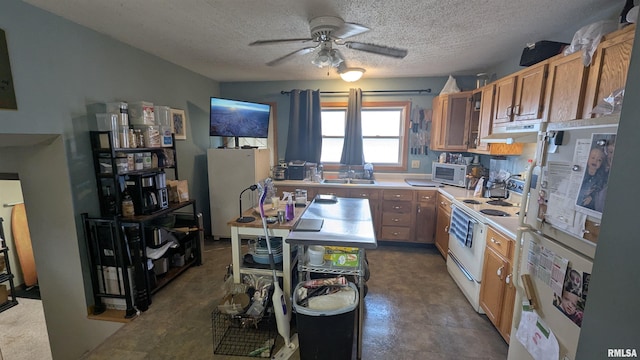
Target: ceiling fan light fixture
[351,74]
[322,59]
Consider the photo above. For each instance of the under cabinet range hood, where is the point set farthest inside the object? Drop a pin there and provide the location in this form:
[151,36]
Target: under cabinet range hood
[525,133]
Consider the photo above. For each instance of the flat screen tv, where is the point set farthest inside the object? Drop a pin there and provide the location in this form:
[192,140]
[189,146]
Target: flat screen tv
[236,118]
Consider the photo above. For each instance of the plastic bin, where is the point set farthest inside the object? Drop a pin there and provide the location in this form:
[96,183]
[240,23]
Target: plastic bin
[325,334]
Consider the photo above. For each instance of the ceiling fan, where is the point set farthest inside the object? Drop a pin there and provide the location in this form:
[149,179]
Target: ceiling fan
[327,31]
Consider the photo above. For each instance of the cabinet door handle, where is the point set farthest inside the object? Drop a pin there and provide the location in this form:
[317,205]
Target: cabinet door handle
[508,279]
[363,195]
[426,198]
[419,209]
[396,233]
[446,228]
[499,272]
[496,241]
[517,110]
[397,207]
[397,195]
[396,220]
[509,110]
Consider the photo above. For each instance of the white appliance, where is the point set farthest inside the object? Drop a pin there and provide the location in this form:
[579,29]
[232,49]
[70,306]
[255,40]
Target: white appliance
[467,242]
[230,172]
[451,174]
[468,236]
[556,243]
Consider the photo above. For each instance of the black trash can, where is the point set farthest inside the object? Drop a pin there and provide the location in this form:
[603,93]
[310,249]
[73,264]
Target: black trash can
[326,334]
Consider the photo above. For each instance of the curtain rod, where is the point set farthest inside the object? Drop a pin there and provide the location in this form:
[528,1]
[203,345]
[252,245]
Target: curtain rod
[368,91]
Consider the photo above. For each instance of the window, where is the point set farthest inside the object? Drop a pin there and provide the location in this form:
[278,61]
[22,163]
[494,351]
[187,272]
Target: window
[384,133]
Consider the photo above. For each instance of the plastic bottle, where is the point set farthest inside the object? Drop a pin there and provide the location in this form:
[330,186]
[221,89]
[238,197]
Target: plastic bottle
[289,208]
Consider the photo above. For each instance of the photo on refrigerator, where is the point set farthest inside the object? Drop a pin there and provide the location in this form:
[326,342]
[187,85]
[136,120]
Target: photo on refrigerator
[597,165]
[571,302]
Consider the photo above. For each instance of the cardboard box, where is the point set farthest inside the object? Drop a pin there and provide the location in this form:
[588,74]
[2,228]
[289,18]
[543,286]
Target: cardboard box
[4,294]
[350,260]
[113,283]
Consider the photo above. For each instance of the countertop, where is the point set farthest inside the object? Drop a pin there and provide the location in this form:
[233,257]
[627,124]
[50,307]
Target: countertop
[347,222]
[506,225]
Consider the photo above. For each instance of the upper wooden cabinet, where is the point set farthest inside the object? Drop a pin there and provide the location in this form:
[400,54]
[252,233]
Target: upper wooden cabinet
[450,123]
[485,115]
[481,123]
[566,84]
[609,67]
[519,97]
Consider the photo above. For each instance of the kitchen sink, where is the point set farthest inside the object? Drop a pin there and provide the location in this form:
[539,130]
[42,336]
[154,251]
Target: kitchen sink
[335,181]
[362,181]
[349,181]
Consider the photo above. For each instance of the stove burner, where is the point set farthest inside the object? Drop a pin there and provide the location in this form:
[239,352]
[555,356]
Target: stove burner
[499,203]
[494,212]
[471,201]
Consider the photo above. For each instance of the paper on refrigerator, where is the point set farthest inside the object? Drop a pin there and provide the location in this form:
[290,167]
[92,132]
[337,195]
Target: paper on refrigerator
[537,338]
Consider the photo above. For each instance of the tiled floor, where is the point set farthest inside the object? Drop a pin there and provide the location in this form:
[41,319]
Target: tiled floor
[413,310]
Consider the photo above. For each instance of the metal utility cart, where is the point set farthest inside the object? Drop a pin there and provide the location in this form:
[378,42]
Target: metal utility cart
[346,223]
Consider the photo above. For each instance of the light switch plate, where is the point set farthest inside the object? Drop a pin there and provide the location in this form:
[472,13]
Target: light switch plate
[415,164]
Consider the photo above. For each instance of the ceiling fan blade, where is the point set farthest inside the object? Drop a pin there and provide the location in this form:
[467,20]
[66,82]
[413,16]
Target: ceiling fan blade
[280,41]
[377,49]
[291,54]
[348,30]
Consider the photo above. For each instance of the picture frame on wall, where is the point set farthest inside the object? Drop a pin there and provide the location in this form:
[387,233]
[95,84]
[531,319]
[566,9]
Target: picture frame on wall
[179,124]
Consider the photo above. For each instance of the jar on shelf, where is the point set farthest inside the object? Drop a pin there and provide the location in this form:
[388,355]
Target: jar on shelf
[127,206]
[133,140]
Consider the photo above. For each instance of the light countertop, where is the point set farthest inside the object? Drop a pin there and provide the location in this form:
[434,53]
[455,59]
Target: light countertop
[507,225]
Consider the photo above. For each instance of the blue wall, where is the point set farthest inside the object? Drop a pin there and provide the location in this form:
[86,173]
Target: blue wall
[270,92]
[61,70]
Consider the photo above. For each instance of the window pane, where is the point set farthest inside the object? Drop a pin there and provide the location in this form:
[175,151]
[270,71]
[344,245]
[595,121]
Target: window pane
[381,122]
[333,122]
[380,150]
[331,149]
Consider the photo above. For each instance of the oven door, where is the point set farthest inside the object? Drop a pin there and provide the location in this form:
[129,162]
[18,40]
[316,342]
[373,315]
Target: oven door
[467,241]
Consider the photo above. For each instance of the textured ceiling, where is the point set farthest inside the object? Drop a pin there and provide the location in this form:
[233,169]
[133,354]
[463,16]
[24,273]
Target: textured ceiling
[211,37]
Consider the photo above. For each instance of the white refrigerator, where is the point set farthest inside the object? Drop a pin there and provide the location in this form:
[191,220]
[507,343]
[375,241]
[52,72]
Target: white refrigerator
[556,243]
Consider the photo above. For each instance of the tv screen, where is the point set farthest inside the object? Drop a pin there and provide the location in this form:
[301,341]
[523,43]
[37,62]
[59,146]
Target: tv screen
[239,118]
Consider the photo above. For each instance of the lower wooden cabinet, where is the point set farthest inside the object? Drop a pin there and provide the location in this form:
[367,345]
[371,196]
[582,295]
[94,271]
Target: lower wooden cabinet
[374,203]
[425,212]
[402,215]
[397,215]
[497,293]
[443,218]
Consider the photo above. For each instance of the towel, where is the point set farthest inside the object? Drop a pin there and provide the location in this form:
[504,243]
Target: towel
[462,227]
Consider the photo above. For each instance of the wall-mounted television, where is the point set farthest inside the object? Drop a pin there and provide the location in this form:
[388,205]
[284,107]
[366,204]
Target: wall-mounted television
[237,118]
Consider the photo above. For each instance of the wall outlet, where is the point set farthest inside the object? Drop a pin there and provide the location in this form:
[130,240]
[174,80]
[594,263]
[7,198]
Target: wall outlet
[415,164]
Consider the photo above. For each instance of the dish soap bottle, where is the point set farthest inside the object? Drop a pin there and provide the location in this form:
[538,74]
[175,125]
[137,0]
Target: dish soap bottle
[289,208]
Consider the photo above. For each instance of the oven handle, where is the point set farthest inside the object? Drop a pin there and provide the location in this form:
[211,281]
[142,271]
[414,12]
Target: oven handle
[464,271]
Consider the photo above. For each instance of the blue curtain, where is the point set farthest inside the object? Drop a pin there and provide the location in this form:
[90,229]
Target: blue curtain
[352,151]
[304,140]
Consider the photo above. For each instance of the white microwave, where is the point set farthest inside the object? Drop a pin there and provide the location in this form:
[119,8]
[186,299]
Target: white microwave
[450,174]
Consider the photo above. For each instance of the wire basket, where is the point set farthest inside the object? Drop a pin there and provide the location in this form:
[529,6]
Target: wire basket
[239,335]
